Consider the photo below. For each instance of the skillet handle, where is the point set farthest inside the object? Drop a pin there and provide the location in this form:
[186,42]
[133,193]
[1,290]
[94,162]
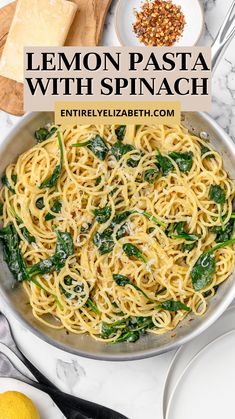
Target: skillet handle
[224,37]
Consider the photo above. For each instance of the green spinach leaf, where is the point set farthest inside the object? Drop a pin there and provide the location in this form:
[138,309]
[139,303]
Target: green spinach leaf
[56,207]
[43,134]
[151,175]
[187,247]
[64,249]
[104,241]
[119,218]
[43,267]
[52,180]
[98,180]
[97,147]
[204,150]
[203,271]
[121,232]
[102,215]
[109,330]
[161,291]
[134,326]
[225,232]
[92,306]
[179,228]
[40,203]
[122,280]
[141,323]
[27,235]
[184,160]
[12,253]
[129,329]
[119,149]
[120,132]
[8,184]
[132,251]
[185,236]
[25,232]
[68,280]
[164,163]
[217,194]
[128,337]
[209,292]
[150,217]
[172,305]
[67,294]
[135,159]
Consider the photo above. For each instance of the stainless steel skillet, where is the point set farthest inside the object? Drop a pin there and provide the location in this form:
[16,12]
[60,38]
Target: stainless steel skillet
[13,300]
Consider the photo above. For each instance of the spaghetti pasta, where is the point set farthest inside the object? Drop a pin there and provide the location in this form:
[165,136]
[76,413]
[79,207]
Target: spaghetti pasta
[146,187]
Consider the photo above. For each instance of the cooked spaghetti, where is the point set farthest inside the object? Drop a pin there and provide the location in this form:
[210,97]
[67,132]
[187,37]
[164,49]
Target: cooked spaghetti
[117,230]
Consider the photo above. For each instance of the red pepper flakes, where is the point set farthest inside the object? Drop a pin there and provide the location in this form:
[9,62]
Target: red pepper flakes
[159,23]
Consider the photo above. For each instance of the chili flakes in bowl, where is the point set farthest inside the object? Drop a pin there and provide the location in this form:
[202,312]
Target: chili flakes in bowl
[159,23]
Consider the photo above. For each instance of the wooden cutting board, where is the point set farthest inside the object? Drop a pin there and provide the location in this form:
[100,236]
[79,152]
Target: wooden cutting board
[86,30]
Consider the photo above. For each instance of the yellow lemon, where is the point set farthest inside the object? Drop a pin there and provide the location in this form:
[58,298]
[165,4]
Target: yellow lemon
[15,405]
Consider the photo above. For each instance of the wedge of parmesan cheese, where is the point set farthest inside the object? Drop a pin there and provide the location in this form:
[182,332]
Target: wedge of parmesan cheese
[35,23]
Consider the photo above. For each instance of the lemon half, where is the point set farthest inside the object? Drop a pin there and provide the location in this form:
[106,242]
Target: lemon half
[15,405]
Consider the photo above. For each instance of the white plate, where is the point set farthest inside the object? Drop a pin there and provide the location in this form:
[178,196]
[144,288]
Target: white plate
[185,353]
[206,387]
[42,401]
[192,10]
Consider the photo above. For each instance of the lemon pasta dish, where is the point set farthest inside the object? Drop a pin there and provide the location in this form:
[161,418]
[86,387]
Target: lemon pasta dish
[118,230]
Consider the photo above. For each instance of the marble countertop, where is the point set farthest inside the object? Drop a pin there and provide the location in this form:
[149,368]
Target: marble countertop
[133,388]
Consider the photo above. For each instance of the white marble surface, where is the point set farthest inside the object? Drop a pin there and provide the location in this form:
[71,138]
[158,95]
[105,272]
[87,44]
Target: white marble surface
[134,388]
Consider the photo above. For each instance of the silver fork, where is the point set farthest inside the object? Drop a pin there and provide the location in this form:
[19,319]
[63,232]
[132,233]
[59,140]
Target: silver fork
[8,369]
[8,347]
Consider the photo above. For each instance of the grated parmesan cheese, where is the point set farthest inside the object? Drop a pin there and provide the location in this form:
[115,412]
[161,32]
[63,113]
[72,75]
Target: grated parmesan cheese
[149,264]
[47,277]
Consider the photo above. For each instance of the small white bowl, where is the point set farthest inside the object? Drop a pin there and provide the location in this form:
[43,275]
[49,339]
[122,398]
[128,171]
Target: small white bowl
[124,18]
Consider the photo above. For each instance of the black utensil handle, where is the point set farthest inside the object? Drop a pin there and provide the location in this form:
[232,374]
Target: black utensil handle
[93,410]
[88,409]
[76,415]
[71,414]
